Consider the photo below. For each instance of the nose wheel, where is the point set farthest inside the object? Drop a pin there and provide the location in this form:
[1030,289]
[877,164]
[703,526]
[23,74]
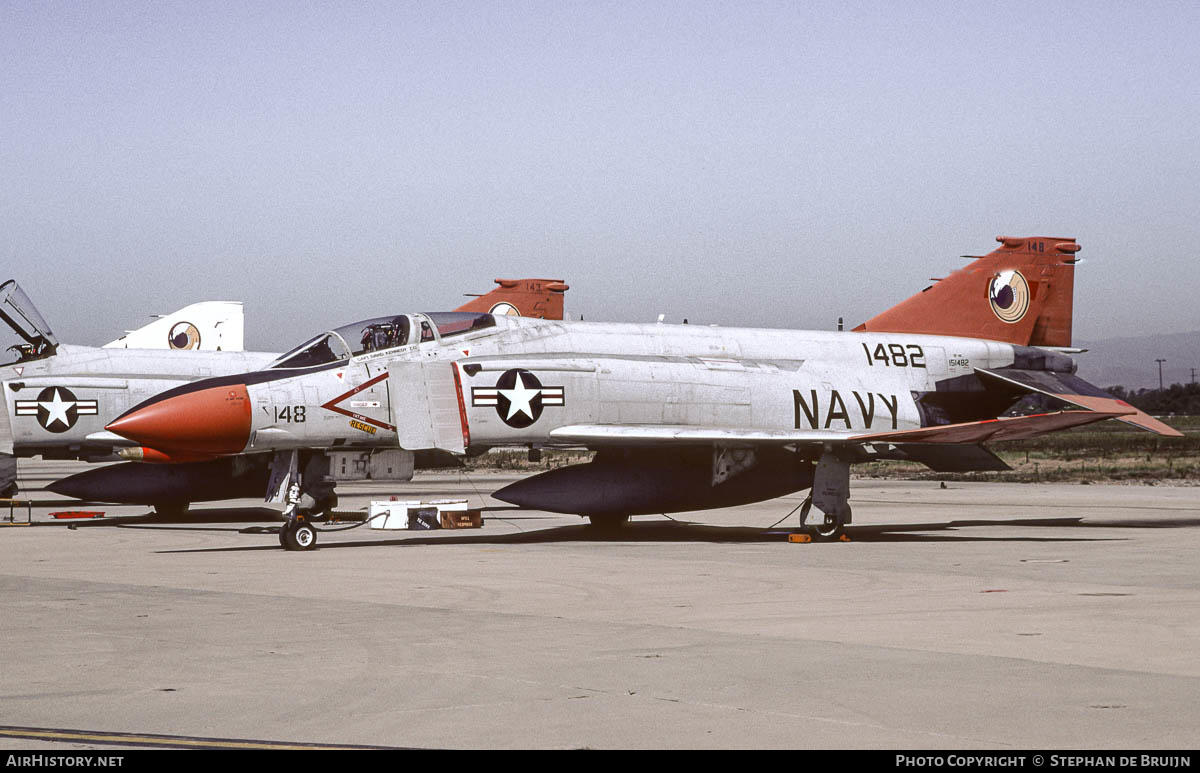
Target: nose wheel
[298,534]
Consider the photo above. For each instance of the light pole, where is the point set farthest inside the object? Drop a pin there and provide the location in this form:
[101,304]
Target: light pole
[1160,383]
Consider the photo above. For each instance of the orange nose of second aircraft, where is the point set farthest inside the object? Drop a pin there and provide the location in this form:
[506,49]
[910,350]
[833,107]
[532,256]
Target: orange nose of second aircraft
[212,420]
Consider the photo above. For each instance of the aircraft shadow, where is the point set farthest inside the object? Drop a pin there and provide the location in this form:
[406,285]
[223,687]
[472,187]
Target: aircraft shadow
[684,531]
[882,532]
[192,517]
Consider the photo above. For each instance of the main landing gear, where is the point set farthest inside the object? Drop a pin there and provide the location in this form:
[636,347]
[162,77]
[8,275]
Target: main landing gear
[831,495]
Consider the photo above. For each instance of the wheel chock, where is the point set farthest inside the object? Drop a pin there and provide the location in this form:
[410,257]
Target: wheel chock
[804,539]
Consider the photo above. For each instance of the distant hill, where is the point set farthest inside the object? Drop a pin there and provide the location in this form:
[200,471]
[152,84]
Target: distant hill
[1130,362]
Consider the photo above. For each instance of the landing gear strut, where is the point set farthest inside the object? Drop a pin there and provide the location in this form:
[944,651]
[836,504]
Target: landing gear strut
[296,533]
[307,496]
[831,495]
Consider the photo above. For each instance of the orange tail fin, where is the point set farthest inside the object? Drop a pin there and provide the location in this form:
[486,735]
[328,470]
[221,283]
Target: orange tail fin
[1021,293]
[541,298]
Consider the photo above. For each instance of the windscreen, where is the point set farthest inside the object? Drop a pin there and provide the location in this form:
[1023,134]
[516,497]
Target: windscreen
[327,347]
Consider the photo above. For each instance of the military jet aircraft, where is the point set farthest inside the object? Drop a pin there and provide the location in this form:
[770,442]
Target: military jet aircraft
[44,422]
[681,417]
[58,397]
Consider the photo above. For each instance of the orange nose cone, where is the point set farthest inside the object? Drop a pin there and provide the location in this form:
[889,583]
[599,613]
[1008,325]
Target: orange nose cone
[208,421]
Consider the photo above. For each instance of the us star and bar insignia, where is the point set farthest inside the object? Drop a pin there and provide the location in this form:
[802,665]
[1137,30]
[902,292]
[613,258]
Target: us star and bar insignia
[518,397]
[57,409]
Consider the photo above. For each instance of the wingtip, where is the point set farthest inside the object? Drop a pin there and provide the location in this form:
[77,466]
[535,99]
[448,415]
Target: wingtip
[1151,424]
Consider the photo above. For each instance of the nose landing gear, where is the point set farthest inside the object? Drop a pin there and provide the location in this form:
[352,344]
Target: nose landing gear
[297,534]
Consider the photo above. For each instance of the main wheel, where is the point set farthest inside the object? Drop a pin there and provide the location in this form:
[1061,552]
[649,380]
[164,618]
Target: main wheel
[299,535]
[829,529]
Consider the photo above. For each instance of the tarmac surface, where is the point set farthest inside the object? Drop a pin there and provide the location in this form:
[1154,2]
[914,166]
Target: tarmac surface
[979,616]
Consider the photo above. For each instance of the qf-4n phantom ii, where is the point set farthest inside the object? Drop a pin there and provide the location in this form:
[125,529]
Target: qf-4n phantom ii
[681,417]
[58,397]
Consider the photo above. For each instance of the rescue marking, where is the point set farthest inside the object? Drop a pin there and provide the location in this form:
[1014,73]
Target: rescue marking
[367,428]
[332,405]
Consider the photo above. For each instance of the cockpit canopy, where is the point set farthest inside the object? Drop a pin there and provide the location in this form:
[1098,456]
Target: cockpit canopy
[24,323]
[380,333]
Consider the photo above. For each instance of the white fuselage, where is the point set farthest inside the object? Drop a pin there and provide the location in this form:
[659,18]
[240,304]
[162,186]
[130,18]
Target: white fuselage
[626,374]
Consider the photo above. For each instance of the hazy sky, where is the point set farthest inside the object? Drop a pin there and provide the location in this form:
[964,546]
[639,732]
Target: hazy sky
[744,163]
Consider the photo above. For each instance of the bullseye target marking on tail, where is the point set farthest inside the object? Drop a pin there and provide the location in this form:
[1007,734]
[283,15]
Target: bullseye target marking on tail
[505,309]
[1008,293]
[184,335]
